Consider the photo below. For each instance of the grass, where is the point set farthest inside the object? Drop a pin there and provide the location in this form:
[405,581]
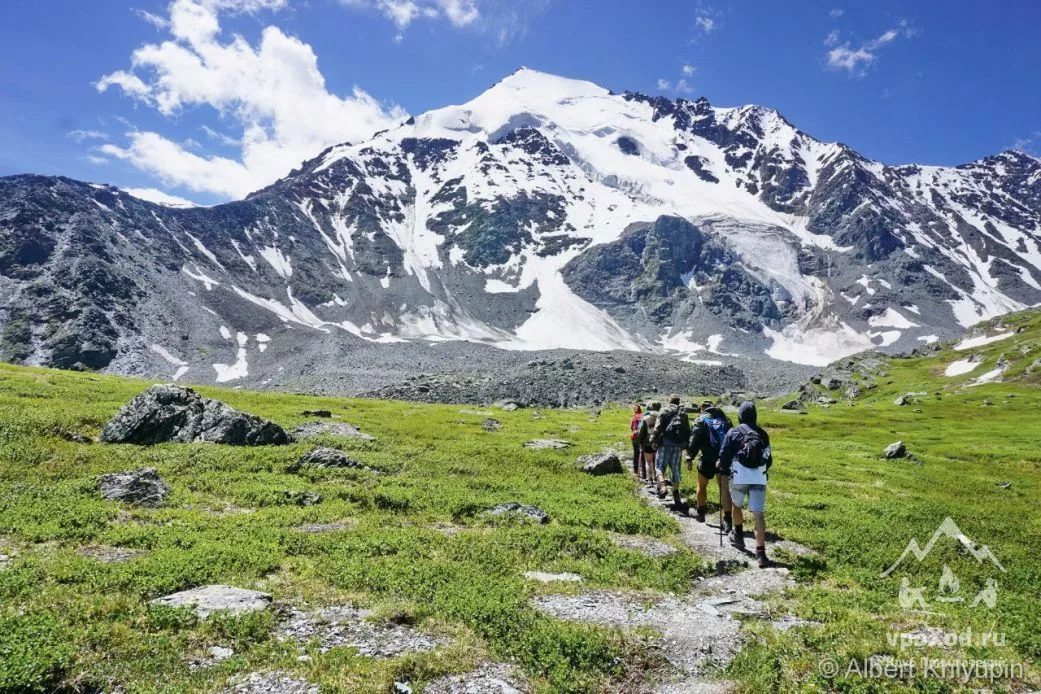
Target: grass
[70,622]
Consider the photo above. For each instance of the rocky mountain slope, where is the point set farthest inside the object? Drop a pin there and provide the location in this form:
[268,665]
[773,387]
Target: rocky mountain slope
[545,214]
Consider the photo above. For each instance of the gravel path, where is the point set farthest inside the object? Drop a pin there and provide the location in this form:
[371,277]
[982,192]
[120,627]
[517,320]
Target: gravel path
[700,633]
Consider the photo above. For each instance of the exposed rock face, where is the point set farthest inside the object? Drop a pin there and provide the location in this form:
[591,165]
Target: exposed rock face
[177,414]
[513,508]
[603,463]
[897,449]
[143,487]
[206,600]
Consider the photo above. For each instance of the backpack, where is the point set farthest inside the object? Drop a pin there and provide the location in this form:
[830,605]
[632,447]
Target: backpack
[673,432]
[752,453]
[716,432]
[643,432]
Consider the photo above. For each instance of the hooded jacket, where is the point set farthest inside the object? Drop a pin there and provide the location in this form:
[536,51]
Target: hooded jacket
[735,439]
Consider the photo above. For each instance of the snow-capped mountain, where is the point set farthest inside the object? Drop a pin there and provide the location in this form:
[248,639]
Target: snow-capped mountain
[546,213]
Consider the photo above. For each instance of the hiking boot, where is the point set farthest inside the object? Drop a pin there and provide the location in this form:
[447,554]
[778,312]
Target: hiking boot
[760,553]
[701,514]
[728,523]
[661,489]
[737,537]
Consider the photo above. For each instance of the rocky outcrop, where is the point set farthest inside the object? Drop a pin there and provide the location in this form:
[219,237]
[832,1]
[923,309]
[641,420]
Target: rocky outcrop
[169,413]
[143,487]
[897,449]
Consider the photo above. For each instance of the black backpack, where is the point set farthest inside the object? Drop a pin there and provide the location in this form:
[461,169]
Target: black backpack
[673,432]
[752,453]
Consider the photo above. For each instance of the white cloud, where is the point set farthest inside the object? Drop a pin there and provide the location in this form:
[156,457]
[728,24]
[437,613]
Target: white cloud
[687,70]
[273,91]
[705,23]
[857,60]
[81,135]
[832,39]
[836,13]
[664,84]
[220,137]
[159,197]
[683,87]
[96,160]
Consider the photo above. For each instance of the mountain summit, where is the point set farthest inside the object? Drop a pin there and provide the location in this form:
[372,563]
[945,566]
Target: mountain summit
[545,213]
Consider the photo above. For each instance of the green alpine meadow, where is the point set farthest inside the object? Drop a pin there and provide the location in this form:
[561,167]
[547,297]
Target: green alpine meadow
[401,538]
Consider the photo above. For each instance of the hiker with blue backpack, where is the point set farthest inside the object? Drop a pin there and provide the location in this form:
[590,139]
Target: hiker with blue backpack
[746,457]
[706,439]
[670,438]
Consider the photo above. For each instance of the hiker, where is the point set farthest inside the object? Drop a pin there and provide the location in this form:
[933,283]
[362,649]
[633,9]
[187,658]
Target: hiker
[643,438]
[746,457]
[670,438]
[634,426]
[710,428]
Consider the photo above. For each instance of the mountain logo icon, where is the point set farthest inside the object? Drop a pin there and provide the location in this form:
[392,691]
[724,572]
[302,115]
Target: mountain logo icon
[950,529]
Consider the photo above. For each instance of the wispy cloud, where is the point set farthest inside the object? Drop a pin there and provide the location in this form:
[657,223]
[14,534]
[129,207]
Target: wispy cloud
[1030,144]
[679,86]
[83,135]
[687,70]
[707,19]
[504,20]
[856,60]
[158,21]
[836,13]
[832,39]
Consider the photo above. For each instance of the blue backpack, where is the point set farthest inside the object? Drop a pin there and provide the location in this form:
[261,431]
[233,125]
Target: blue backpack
[716,432]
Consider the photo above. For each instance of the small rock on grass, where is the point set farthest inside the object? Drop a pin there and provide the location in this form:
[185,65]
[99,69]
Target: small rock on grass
[513,508]
[492,424]
[272,683]
[324,457]
[343,429]
[542,444]
[143,487]
[205,600]
[1005,485]
[897,449]
[544,577]
[109,555]
[603,463]
[317,413]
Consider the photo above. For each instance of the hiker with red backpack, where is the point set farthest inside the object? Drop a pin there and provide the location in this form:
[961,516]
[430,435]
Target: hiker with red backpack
[746,457]
[670,438]
[634,428]
[706,439]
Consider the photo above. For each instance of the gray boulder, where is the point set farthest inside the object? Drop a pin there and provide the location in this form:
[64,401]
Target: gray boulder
[603,463]
[341,429]
[492,424]
[792,406]
[897,449]
[513,508]
[902,401]
[323,457]
[143,487]
[205,600]
[178,414]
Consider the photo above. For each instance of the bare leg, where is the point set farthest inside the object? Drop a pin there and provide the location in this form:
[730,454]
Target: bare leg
[739,518]
[724,493]
[702,490]
[760,529]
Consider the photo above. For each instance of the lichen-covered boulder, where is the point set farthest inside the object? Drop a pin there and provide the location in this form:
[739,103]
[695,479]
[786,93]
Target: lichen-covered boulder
[143,487]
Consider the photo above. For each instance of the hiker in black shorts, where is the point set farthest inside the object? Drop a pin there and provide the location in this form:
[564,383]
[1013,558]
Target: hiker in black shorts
[706,438]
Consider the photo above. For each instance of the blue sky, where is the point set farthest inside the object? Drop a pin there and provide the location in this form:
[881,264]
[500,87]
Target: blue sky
[208,99]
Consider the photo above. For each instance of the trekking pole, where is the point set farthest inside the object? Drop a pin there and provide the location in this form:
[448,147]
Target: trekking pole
[720,480]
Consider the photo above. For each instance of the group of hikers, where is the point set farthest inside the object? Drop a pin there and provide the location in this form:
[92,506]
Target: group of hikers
[739,455]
